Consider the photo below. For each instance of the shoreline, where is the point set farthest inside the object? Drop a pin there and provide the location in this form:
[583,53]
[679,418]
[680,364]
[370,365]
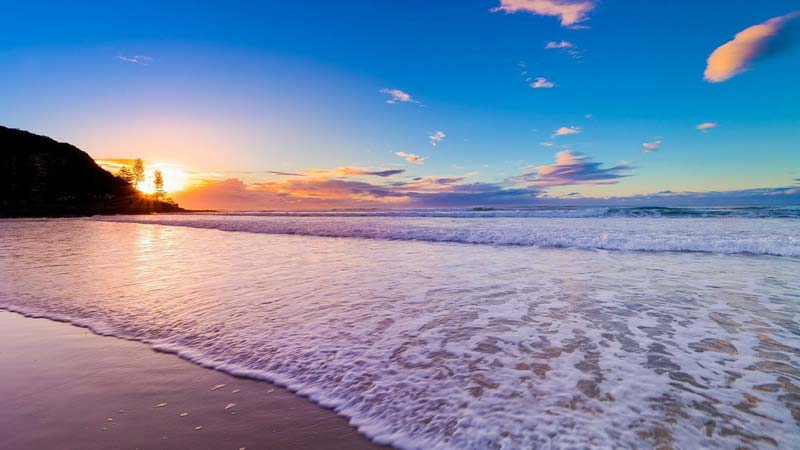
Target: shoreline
[69,388]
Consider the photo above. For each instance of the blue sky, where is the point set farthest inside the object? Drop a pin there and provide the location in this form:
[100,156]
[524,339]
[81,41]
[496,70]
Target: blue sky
[233,90]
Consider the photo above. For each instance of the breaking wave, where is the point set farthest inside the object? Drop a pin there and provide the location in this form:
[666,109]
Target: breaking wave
[733,235]
[760,212]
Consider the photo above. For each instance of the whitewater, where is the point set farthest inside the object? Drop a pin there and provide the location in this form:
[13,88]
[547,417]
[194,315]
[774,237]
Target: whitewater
[767,231]
[457,329]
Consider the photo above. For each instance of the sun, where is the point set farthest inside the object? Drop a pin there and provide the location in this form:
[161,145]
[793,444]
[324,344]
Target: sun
[175,178]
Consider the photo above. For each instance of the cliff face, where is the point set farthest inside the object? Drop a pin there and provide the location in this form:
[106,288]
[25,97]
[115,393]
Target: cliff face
[42,177]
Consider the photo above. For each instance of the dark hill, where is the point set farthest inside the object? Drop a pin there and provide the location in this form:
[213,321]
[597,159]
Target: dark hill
[40,177]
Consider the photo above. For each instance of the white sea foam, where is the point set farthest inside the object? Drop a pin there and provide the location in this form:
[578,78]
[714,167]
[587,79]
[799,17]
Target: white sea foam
[446,346]
[549,212]
[779,237]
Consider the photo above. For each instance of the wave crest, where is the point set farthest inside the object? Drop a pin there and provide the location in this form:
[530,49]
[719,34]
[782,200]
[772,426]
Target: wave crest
[779,237]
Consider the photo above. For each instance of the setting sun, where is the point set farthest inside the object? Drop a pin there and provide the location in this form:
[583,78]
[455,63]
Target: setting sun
[176,178]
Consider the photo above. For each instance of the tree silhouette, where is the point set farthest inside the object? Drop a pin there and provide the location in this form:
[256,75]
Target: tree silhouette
[158,181]
[138,172]
[126,174]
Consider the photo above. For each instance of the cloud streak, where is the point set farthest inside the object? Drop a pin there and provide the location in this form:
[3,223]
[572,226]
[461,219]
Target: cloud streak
[750,44]
[310,193]
[572,168]
[570,12]
[137,59]
[396,95]
[412,158]
[354,171]
[284,174]
[705,126]
[299,194]
[319,189]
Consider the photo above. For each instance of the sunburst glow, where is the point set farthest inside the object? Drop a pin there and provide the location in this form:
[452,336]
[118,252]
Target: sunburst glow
[176,177]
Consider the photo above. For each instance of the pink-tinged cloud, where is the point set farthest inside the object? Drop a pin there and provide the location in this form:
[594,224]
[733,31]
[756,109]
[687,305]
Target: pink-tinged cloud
[298,193]
[570,169]
[396,95]
[562,44]
[233,194]
[705,126]
[564,131]
[313,193]
[569,11]
[735,56]
[429,184]
[410,157]
[542,83]
[353,171]
[652,146]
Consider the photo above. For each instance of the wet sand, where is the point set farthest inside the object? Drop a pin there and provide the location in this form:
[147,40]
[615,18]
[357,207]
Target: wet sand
[65,388]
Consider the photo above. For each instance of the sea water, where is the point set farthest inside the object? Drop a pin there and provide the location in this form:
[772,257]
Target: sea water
[457,329]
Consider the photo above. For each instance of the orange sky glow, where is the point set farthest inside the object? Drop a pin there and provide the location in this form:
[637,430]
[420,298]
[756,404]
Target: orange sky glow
[176,177]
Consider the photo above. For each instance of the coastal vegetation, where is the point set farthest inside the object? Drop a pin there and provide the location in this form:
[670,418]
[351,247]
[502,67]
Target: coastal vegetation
[40,177]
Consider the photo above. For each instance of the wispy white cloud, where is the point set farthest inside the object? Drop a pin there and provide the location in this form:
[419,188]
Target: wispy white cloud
[563,131]
[410,157]
[437,137]
[565,46]
[524,72]
[735,56]
[546,144]
[705,126]
[570,12]
[396,95]
[137,59]
[652,146]
[542,83]
[562,44]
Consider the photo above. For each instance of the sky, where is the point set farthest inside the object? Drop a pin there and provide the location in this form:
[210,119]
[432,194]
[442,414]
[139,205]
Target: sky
[320,104]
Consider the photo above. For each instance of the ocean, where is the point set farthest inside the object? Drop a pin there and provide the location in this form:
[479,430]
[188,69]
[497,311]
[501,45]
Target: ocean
[457,329]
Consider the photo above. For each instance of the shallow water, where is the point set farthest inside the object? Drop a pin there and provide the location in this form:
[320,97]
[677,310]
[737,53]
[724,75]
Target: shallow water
[439,345]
